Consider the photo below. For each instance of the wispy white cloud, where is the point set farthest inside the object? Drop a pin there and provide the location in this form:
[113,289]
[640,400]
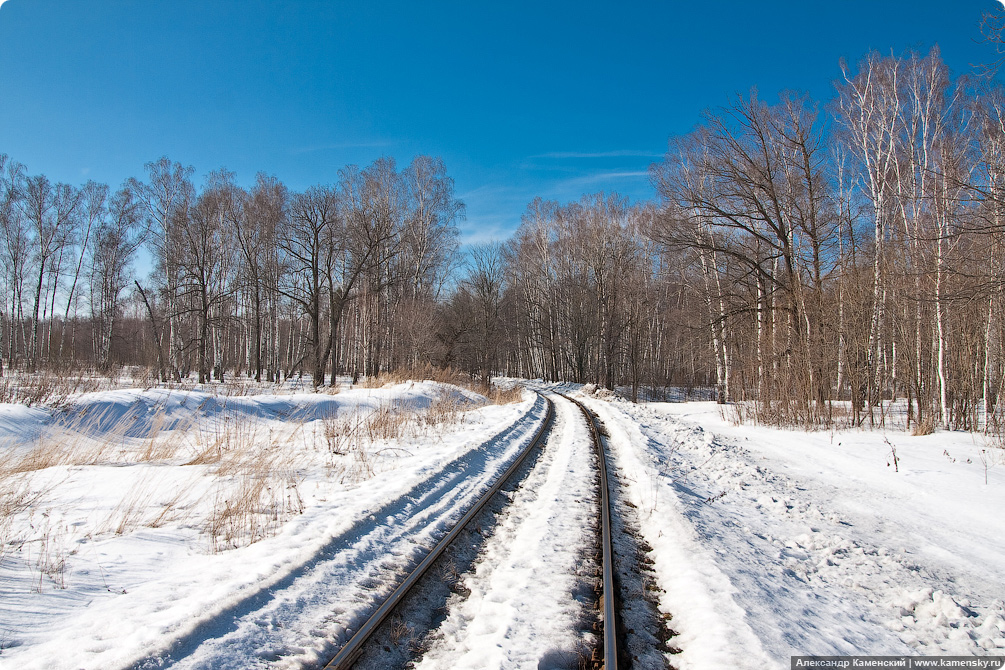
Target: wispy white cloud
[486,227]
[495,191]
[620,153]
[494,209]
[598,177]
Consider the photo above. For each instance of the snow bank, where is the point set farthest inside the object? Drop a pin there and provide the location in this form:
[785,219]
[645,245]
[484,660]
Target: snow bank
[772,543]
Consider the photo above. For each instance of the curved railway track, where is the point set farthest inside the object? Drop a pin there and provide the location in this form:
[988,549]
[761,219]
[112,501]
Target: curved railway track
[610,618]
[608,652]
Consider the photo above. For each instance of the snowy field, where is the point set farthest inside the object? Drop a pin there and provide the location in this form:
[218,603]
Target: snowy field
[771,542]
[167,528]
[141,524]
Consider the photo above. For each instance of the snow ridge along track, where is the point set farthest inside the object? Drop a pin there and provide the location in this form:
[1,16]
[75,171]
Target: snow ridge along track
[299,617]
[610,648]
[348,654]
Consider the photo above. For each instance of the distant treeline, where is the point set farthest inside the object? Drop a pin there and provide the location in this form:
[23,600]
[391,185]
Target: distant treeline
[798,254]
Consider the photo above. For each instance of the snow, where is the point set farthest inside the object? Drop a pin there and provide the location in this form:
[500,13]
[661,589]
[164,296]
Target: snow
[771,543]
[125,543]
[519,611]
[19,421]
[152,587]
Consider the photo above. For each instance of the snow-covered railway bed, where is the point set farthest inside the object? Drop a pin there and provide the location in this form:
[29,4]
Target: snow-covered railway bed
[391,636]
[529,599]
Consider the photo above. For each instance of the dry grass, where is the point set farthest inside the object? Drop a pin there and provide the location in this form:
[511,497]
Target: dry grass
[209,447]
[157,448]
[41,544]
[255,472]
[171,509]
[43,455]
[505,396]
[257,487]
[786,414]
[336,437]
[34,540]
[386,423]
[143,377]
[241,516]
[47,389]
[128,514]
[926,427]
[18,495]
[443,411]
[50,554]
[358,468]
[356,442]
[76,442]
[495,394]
[254,505]
[399,632]
[348,458]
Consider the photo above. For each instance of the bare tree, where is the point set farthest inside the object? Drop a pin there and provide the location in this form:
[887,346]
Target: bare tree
[484,282]
[168,190]
[94,198]
[257,220]
[205,253]
[869,106]
[116,239]
[430,238]
[14,230]
[51,211]
[305,238]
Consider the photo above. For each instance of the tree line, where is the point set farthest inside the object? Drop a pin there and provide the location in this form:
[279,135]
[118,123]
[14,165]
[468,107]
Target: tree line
[341,278]
[798,253]
[850,255]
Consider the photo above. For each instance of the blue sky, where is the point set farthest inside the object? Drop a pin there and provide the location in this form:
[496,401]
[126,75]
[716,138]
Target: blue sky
[520,99]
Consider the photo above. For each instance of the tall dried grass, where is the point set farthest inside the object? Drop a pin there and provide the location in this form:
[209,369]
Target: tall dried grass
[31,534]
[257,486]
[76,440]
[254,504]
[18,495]
[130,511]
[47,389]
[50,552]
[356,442]
[505,396]
[172,508]
[786,414]
[495,394]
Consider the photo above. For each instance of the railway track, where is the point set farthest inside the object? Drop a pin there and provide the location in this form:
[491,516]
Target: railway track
[606,656]
[609,597]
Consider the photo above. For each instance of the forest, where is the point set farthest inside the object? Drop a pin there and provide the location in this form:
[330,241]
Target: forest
[815,259]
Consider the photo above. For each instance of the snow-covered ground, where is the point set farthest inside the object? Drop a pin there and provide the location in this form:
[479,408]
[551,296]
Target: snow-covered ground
[168,528]
[771,542]
[163,528]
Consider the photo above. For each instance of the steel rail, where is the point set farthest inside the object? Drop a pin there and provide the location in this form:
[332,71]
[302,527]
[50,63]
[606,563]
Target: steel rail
[352,649]
[610,615]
